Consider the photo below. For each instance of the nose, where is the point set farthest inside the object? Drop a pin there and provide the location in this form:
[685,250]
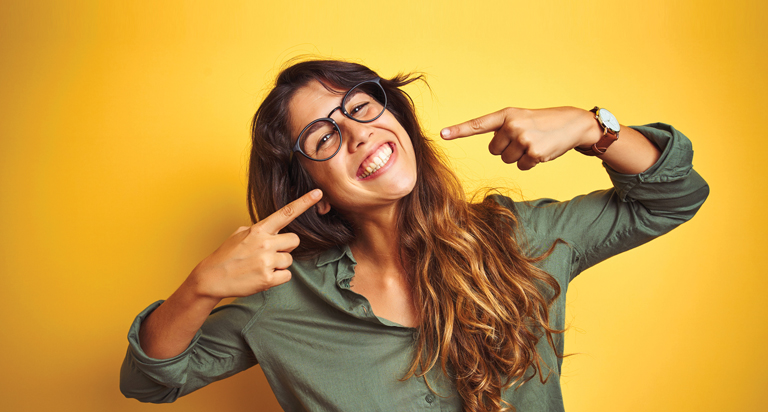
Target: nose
[356,134]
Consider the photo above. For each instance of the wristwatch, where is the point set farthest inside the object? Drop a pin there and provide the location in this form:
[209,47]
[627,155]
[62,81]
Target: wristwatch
[611,129]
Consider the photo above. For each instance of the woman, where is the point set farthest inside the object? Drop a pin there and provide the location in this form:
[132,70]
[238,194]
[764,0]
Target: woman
[370,283]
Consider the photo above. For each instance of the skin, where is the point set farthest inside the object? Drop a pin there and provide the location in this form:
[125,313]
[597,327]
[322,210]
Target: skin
[253,259]
[256,258]
[529,137]
[360,200]
[370,204]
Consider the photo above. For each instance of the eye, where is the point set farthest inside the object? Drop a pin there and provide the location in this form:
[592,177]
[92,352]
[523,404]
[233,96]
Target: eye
[358,108]
[324,141]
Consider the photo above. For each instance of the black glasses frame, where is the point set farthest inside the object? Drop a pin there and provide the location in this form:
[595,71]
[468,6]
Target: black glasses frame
[297,146]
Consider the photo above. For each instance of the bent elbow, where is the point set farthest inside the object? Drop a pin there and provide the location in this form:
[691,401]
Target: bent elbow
[154,394]
[136,385]
[695,199]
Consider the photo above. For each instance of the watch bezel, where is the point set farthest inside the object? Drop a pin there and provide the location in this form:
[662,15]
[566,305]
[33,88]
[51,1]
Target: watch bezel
[608,120]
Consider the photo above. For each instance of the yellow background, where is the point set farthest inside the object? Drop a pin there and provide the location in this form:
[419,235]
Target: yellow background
[123,145]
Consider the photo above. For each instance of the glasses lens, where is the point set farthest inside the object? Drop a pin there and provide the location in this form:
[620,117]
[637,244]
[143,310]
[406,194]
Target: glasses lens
[321,140]
[365,102]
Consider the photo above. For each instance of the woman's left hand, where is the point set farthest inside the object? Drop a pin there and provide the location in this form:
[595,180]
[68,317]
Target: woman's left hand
[530,137]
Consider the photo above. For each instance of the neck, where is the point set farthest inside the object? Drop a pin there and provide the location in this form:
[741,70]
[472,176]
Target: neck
[379,274]
[376,239]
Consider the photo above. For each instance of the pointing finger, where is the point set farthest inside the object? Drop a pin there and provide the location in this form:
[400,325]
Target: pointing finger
[484,124]
[281,218]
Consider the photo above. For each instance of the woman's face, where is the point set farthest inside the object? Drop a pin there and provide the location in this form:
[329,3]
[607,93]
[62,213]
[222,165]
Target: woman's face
[344,179]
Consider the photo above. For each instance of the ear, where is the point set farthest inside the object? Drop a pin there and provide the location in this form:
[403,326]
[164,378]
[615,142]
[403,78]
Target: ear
[322,207]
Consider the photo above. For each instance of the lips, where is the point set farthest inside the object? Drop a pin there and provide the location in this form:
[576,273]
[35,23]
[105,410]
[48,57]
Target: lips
[375,161]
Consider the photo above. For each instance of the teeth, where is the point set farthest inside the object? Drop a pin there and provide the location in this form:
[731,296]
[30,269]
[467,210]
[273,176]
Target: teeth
[377,160]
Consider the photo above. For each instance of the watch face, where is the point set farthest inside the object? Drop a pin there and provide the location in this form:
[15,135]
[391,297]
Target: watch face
[609,120]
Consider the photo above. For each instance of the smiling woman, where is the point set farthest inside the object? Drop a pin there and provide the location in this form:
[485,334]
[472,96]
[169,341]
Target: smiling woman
[367,272]
[357,178]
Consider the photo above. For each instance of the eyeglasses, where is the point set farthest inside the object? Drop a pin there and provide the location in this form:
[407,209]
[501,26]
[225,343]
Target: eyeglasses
[321,139]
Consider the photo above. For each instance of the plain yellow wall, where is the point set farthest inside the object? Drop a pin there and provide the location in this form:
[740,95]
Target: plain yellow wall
[123,144]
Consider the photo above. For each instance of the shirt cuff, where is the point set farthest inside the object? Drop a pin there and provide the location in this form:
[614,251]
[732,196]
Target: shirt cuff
[172,371]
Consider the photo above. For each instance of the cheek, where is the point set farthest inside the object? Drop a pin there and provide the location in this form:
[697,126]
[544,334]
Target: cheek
[326,175]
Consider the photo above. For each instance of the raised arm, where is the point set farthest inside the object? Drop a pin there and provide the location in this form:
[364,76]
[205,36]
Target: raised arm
[251,260]
[532,136]
[655,187]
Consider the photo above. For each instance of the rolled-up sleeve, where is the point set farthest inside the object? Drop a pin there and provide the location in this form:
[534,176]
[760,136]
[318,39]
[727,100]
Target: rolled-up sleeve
[637,209]
[217,351]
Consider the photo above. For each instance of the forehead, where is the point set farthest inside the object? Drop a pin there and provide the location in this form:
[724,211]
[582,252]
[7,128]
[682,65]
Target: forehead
[311,102]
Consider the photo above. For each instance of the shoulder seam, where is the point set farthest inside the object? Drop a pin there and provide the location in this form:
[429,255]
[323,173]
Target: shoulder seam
[257,314]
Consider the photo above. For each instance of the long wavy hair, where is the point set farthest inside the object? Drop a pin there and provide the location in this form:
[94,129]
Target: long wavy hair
[482,303]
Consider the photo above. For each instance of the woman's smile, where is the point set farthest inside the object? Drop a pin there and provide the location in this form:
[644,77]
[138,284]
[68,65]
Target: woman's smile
[375,165]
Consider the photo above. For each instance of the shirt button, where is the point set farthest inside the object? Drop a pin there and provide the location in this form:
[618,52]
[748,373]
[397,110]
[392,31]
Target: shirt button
[429,398]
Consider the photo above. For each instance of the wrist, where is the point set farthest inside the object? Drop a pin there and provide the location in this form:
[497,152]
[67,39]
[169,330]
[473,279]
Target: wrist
[609,132]
[195,290]
[592,131]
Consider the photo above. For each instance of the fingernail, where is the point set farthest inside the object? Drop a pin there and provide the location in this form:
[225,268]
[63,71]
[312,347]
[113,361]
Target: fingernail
[316,194]
[445,133]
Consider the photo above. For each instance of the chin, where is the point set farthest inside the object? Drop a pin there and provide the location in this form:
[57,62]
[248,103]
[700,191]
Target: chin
[404,187]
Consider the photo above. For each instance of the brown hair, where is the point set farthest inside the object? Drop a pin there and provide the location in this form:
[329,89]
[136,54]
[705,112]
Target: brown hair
[482,303]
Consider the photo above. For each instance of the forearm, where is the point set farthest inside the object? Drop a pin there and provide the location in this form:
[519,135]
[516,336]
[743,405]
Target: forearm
[631,154]
[170,328]
[182,356]
[637,209]
[253,259]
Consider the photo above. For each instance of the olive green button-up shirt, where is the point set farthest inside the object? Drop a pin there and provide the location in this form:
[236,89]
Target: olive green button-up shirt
[322,348]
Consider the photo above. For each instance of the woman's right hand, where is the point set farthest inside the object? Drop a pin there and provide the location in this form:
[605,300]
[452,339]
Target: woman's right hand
[254,258]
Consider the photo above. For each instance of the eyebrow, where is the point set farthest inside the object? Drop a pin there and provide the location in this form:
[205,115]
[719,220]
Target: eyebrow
[313,128]
[356,92]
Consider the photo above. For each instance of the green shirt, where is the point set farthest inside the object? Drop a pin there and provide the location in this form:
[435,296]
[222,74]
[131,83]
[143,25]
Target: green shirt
[322,348]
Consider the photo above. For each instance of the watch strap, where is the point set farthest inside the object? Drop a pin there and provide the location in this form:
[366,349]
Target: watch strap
[609,136]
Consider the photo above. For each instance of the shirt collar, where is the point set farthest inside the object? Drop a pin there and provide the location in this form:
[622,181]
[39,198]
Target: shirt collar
[335,254]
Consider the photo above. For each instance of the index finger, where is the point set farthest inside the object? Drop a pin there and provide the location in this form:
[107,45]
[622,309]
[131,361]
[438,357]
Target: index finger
[484,124]
[286,214]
